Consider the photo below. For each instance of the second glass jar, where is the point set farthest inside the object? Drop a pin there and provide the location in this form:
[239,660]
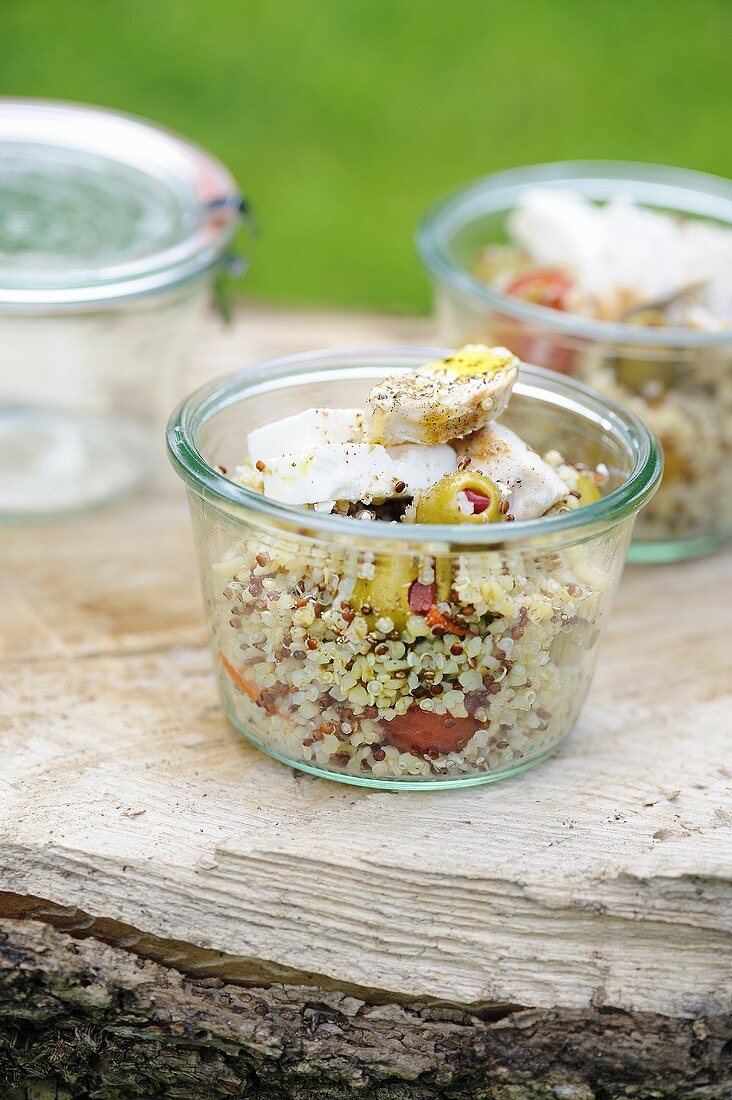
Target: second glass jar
[679,381]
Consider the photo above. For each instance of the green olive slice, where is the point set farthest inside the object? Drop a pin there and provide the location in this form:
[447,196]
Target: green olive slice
[588,489]
[442,503]
[387,593]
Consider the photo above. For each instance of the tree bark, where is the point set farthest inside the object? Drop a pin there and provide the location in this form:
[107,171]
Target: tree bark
[82,1018]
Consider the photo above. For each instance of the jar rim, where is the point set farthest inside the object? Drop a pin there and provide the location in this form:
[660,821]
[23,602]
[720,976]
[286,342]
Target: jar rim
[270,375]
[68,152]
[660,185]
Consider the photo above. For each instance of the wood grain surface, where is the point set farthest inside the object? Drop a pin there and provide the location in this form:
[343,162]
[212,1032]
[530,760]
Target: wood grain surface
[601,879]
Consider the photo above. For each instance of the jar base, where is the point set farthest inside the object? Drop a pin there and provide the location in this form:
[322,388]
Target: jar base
[407,784]
[55,462]
[662,552]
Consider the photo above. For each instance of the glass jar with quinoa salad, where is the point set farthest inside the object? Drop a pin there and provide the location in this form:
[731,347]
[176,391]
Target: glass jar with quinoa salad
[618,274]
[408,567]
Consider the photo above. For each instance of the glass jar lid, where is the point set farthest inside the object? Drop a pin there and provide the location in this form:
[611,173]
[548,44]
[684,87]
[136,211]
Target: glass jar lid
[97,207]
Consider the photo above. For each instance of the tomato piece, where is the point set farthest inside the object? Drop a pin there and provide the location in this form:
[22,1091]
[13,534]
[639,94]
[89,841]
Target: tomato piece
[422,731]
[544,287]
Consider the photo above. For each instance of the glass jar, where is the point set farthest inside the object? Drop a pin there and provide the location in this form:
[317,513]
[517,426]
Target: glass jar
[111,233]
[318,659]
[678,380]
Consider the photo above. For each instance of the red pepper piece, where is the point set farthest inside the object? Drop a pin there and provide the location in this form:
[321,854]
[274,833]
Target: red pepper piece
[479,501]
[421,597]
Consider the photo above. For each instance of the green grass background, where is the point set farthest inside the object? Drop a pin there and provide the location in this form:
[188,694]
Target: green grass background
[344,119]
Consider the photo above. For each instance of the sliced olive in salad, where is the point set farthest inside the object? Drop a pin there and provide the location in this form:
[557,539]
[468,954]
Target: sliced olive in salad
[588,489]
[399,588]
[637,374]
[462,497]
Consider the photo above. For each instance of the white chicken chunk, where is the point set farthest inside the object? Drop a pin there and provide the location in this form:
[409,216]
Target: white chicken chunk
[421,467]
[354,472]
[444,400]
[305,431]
[622,255]
[529,484]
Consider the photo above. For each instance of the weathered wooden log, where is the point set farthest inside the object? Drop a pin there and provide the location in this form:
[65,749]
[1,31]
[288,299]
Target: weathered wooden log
[85,1018]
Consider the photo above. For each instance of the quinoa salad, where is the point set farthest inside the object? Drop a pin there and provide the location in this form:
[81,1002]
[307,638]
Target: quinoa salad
[392,665]
[615,262]
[622,262]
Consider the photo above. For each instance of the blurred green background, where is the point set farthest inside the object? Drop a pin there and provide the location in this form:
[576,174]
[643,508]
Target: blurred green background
[344,119]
